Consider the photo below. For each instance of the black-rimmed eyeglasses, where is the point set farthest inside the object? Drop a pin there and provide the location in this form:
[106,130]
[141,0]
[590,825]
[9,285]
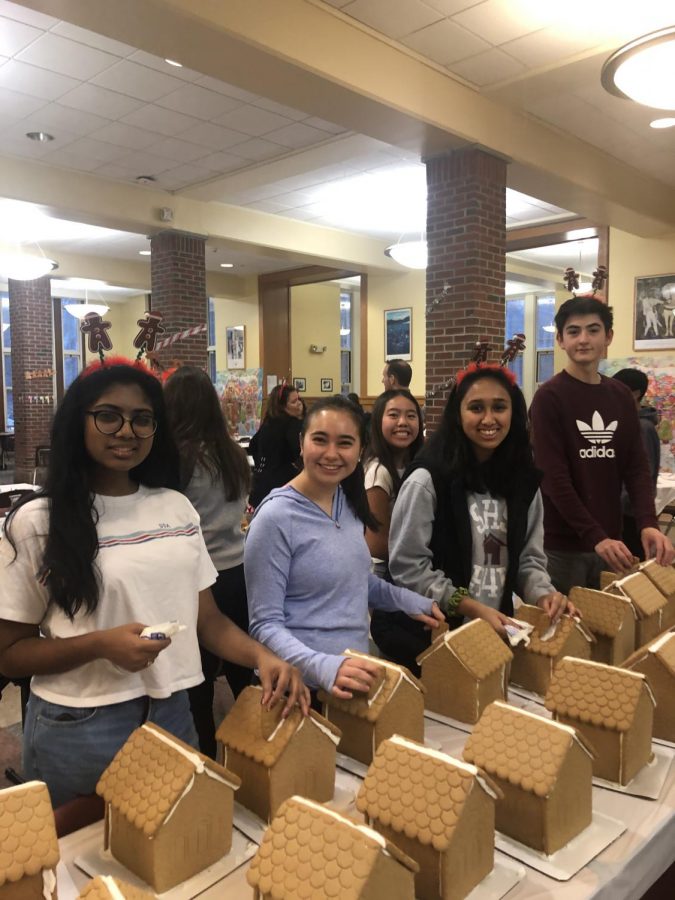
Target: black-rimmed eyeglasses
[106,421]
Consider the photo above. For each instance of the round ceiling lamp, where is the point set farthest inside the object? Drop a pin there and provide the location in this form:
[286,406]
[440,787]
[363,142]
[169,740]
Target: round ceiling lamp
[80,310]
[412,254]
[24,266]
[643,70]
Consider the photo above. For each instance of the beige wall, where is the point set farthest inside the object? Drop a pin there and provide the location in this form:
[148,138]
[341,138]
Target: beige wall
[395,292]
[315,319]
[238,310]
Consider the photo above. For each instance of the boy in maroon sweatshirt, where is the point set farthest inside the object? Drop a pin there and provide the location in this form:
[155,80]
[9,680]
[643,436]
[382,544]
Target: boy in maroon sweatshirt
[587,442]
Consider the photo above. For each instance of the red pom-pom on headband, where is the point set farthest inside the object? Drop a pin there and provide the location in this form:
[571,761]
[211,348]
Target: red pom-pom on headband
[485,367]
[109,361]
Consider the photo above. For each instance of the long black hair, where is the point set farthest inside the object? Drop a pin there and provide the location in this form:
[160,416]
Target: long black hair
[451,452]
[378,448]
[69,570]
[353,485]
[200,432]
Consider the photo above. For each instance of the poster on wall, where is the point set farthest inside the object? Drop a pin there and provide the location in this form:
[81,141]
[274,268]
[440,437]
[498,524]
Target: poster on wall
[654,327]
[660,394]
[398,334]
[235,342]
[240,395]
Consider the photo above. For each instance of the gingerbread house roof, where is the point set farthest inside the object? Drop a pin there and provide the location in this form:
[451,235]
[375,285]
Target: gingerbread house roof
[524,748]
[151,772]
[477,647]
[646,598]
[603,612]
[28,842]
[263,736]
[554,646]
[311,851]
[418,791]
[663,650]
[662,576]
[105,887]
[371,706]
[596,694]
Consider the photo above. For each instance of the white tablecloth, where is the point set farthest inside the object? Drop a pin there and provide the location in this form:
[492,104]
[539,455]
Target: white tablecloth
[665,491]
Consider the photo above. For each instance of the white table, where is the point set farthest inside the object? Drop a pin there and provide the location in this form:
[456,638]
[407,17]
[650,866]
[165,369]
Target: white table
[24,486]
[665,491]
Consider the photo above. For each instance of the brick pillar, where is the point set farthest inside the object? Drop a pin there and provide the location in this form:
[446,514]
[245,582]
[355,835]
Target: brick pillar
[466,236]
[178,275]
[30,316]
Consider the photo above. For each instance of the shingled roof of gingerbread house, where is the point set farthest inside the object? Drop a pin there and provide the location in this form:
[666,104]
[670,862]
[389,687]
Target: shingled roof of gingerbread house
[150,773]
[371,706]
[263,736]
[404,775]
[662,648]
[312,851]
[476,645]
[595,693]
[535,616]
[646,597]
[105,887]
[28,842]
[603,612]
[662,576]
[506,740]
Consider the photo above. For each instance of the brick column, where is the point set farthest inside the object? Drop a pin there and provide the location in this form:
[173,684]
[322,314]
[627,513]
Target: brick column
[30,316]
[466,236]
[178,275]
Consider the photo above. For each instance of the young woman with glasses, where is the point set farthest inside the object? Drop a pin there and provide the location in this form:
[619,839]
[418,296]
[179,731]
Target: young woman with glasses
[105,549]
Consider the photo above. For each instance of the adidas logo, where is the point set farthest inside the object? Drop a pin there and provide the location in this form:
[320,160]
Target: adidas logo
[597,433]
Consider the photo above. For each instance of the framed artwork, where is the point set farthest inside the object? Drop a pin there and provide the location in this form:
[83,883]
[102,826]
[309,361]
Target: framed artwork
[326,385]
[235,342]
[654,326]
[300,384]
[398,334]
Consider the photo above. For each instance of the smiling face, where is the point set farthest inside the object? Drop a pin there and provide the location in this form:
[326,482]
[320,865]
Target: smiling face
[584,340]
[400,423]
[485,414]
[114,455]
[331,447]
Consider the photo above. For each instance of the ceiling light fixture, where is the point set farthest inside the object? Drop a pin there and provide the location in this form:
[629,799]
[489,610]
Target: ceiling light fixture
[643,70]
[412,254]
[42,137]
[662,123]
[172,62]
[144,252]
[21,266]
[145,179]
[227,265]
[80,310]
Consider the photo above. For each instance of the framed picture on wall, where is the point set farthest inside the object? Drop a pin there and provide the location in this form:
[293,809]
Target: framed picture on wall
[654,327]
[300,384]
[398,334]
[326,385]
[235,340]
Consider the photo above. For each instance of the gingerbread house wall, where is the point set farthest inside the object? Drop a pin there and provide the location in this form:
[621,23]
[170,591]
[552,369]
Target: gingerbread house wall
[451,689]
[606,744]
[637,745]
[470,857]
[403,715]
[569,807]
[357,734]
[197,834]
[663,685]
[613,651]
[389,879]
[427,880]
[30,887]
[520,814]
[306,768]
[648,628]
[254,793]
[530,670]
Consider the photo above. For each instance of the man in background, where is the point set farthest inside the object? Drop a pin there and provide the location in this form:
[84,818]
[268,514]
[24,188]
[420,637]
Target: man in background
[396,374]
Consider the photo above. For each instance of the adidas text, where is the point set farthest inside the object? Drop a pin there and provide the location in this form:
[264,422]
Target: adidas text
[597,453]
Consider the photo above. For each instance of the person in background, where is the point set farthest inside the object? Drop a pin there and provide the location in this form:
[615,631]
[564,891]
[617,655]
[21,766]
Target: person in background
[104,550]
[307,563]
[215,477]
[397,374]
[467,525]
[395,437]
[637,382]
[275,447]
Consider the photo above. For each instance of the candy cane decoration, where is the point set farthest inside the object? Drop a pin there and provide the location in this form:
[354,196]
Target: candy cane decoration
[181,335]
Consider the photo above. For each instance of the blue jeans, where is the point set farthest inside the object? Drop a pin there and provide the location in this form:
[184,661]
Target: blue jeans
[69,747]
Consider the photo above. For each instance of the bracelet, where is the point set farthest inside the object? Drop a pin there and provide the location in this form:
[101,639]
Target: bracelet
[449,604]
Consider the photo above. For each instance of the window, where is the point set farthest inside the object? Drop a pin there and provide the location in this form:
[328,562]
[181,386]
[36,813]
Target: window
[545,330]
[7,395]
[345,342]
[71,344]
[532,314]
[515,324]
[211,338]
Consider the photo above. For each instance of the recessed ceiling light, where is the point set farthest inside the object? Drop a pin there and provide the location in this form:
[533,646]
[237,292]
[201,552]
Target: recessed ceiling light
[145,179]
[42,136]
[172,62]
[144,252]
[662,123]
[227,265]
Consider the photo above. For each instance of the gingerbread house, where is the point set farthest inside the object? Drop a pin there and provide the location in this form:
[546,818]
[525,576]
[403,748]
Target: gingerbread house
[168,808]
[612,708]
[438,810]
[657,662]
[533,663]
[611,619]
[310,851]
[663,578]
[105,887]
[607,578]
[276,758]
[394,705]
[464,670]
[29,849]
[648,601]
[544,771]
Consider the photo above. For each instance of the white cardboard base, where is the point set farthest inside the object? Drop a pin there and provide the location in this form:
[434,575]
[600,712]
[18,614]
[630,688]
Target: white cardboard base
[466,727]
[505,876]
[566,862]
[526,695]
[662,742]
[649,781]
[98,861]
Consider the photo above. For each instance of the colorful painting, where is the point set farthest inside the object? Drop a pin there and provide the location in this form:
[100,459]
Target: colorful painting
[654,313]
[240,395]
[661,394]
[398,334]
